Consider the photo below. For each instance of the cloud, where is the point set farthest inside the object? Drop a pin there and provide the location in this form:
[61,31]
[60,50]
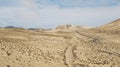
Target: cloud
[29,14]
[80,3]
[28,4]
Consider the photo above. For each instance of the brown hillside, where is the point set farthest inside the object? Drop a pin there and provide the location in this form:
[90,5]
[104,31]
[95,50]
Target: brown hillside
[114,25]
[59,48]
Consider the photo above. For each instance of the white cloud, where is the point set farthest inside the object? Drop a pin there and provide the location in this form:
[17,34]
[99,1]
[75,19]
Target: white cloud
[29,4]
[80,3]
[30,15]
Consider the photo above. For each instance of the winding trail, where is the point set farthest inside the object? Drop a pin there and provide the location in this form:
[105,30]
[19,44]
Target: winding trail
[69,55]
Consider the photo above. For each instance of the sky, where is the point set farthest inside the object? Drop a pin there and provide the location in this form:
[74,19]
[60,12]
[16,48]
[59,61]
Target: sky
[50,13]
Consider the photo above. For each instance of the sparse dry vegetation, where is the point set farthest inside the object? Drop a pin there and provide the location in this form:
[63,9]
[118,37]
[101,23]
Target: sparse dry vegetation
[97,47]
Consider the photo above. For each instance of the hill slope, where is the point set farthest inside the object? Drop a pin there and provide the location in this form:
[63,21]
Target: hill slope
[115,26]
[63,48]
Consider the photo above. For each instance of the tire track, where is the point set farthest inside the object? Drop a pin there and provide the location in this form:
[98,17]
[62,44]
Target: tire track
[69,55]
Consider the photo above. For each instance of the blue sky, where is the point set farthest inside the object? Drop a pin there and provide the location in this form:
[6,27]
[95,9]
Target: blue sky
[50,13]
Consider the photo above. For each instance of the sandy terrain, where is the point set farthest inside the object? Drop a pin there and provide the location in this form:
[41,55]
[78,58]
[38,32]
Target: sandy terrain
[79,47]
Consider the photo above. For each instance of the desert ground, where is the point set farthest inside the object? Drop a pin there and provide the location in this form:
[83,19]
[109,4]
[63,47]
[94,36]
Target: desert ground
[64,46]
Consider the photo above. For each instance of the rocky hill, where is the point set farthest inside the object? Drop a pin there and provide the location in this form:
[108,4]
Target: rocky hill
[112,27]
[60,47]
[71,27]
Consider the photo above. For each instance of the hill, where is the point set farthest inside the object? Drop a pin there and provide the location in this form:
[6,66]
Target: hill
[114,25]
[65,46]
[71,27]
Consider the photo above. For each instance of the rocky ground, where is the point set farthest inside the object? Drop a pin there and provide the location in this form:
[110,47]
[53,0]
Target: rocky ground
[64,47]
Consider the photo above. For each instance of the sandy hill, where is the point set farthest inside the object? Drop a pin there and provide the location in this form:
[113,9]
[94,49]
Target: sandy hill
[113,27]
[76,47]
[71,27]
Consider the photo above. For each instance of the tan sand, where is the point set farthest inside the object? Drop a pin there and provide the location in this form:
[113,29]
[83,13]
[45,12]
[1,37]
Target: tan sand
[67,47]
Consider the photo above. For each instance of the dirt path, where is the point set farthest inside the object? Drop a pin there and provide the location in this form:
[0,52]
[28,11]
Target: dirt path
[69,55]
